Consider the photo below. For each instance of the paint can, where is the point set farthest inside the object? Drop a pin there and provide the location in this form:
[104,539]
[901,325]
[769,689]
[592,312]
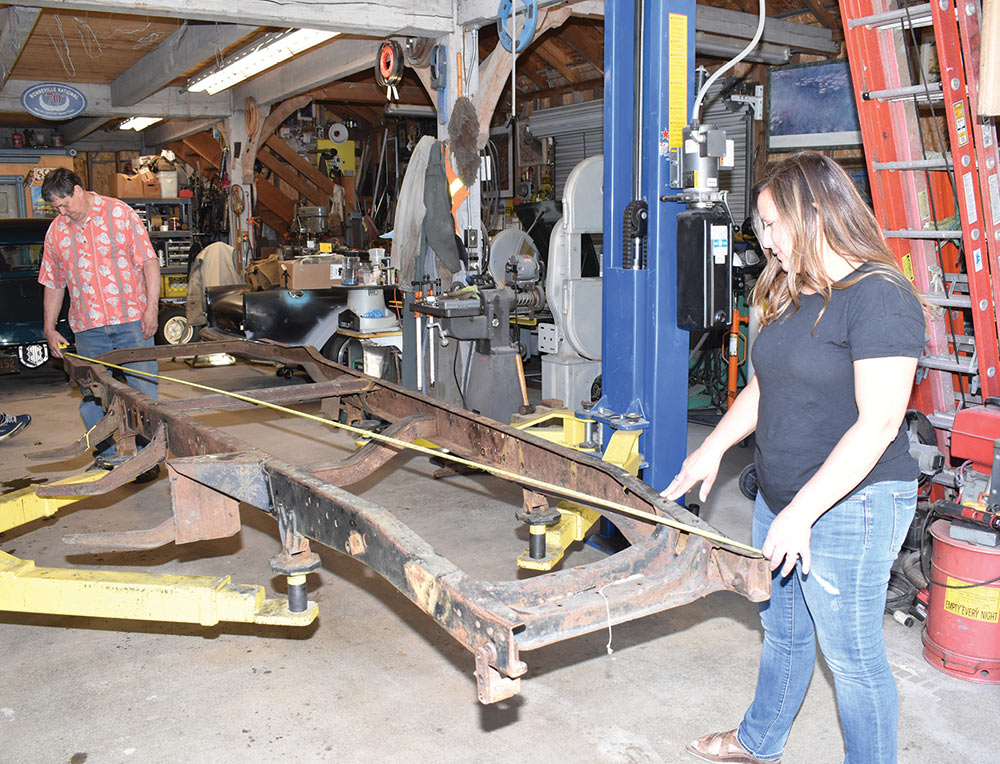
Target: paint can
[962,632]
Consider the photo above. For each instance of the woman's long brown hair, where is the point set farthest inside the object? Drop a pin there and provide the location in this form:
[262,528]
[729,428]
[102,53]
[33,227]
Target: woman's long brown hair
[815,198]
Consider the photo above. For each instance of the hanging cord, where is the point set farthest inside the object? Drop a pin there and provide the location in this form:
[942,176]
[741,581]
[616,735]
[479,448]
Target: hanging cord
[607,603]
[251,117]
[237,204]
[696,110]
[403,444]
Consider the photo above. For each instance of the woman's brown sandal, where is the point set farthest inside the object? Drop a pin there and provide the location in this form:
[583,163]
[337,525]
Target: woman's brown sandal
[724,747]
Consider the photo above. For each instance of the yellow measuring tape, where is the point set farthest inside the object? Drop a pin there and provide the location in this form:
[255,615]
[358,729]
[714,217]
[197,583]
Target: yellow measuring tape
[497,471]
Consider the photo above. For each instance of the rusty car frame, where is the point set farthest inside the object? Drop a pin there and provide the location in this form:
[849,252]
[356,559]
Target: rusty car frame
[211,472]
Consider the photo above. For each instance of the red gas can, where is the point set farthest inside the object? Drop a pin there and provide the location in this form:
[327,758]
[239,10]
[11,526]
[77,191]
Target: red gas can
[962,633]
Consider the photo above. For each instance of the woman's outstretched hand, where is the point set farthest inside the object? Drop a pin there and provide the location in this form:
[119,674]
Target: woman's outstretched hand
[703,465]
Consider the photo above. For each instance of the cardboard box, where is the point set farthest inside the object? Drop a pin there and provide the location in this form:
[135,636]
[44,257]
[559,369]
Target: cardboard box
[312,272]
[127,186]
[150,184]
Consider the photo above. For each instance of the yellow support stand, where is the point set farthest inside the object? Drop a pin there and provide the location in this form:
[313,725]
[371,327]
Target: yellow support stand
[623,450]
[574,524]
[560,426]
[564,427]
[24,506]
[204,600]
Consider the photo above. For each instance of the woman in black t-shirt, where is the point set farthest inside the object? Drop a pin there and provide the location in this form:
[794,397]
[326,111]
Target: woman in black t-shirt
[841,332]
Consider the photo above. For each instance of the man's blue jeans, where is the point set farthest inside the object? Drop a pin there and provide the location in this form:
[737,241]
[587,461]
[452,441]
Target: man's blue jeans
[95,342]
[841,602]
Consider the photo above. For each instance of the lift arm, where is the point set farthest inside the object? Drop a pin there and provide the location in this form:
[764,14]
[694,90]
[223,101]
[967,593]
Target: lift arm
[205,600]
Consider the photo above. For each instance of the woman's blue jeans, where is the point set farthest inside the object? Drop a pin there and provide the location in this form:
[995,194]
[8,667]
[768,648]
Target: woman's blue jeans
[95,342]
[841,602]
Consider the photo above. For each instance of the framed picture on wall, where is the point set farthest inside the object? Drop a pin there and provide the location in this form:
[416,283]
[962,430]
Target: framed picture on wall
[504,172]
[811,106]
[12,197]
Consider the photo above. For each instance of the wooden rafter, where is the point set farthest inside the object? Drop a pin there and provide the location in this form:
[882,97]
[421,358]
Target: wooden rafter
[305,187]
[277,224]
[194,160]
[823,16]
[280,147]
[557,57]
[270,196]
[277,115]
[597,82]
[364,92]
[582,44]
[206,147]
[532,63]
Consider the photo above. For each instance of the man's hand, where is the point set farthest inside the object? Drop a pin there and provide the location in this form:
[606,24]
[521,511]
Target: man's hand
[55,339]
[149,321]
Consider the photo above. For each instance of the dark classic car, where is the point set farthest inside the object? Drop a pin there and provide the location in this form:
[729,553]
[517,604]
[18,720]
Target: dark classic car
[22,341]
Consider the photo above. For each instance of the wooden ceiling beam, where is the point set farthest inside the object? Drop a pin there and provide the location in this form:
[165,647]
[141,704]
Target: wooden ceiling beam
[429,18]
[172,130]
[365,92]
[77,129]
[172,58]
[371,114]
[15,29]
[556,57]
[166,102]
[313,69]
[579,41]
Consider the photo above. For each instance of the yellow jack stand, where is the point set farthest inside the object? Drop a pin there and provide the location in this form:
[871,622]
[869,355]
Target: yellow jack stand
[562,426]
[205,600]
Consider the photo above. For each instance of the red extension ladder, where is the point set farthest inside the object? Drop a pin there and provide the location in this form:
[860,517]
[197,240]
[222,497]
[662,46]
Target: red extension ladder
[903,98]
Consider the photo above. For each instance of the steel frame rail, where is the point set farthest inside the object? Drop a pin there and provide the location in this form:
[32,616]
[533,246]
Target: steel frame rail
[211,471]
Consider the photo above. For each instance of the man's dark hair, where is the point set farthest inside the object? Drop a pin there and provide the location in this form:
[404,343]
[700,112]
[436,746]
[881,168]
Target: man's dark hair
[60,182]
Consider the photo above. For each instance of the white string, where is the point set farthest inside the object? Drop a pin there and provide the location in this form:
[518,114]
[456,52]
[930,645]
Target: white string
[67,63]
[607,604]
[88,45]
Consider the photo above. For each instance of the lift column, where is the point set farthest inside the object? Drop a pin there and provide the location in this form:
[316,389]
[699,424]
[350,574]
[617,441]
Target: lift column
[645,354]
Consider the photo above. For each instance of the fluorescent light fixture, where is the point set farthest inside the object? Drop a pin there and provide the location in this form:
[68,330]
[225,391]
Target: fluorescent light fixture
[139,123]
[409,110]
[271,49]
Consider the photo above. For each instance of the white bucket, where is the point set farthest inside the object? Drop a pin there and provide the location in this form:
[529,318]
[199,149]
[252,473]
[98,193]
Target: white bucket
[168,183]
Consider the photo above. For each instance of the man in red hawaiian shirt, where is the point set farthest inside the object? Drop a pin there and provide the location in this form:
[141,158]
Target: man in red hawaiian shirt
[98,249]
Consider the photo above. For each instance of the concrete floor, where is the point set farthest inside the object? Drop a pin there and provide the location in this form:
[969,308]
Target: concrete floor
[374,679]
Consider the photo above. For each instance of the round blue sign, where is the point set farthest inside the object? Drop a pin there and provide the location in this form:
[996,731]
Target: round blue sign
[53,100]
